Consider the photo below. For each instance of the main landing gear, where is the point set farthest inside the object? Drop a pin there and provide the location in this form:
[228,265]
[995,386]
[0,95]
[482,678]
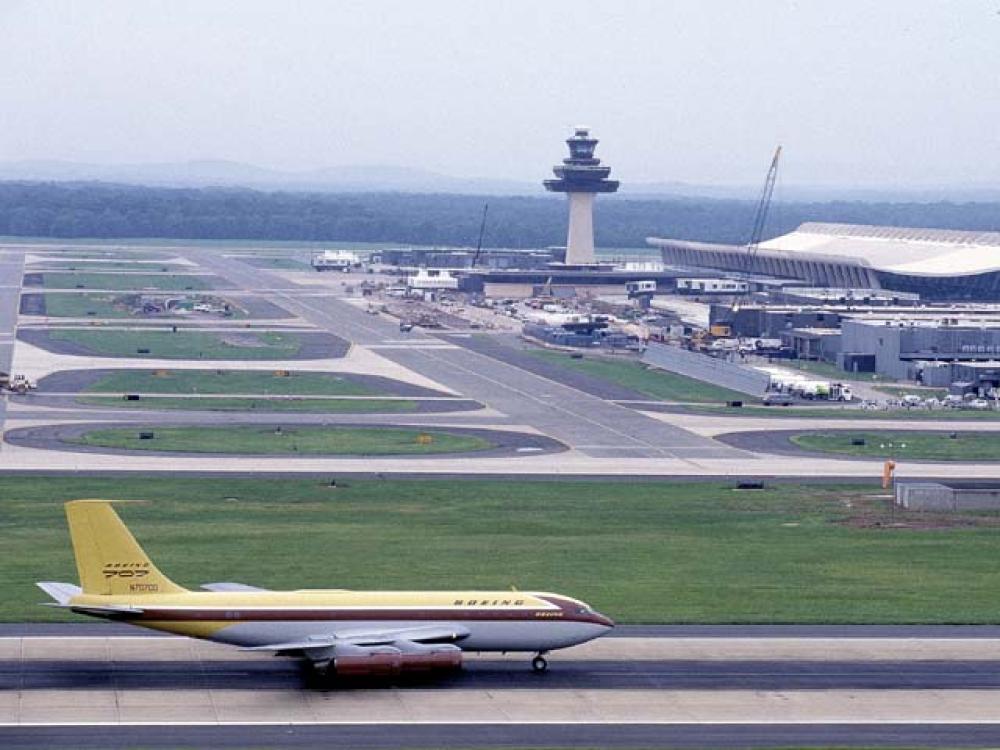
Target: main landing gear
[539,664]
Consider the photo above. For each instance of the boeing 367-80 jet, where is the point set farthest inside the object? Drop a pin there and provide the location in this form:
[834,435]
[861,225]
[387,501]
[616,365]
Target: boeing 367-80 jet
[339,631]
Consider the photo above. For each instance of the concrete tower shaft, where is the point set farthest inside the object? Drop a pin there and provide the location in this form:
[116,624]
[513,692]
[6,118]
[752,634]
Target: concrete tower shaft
[581,176]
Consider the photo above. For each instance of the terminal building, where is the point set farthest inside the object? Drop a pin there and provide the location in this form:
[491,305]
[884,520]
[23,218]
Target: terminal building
[936,264]
[926,348]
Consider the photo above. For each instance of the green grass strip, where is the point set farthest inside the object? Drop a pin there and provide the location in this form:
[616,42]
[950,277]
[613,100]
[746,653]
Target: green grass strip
[264,382]
[656,384]
[679,552]
[311,440]
[938,446]
[313,405]
[183,344]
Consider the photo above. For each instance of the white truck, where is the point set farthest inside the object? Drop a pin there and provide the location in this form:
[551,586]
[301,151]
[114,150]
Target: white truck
[824,390]
[20,384]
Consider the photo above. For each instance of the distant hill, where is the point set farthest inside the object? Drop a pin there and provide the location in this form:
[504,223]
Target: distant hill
[218,173]
[374,178]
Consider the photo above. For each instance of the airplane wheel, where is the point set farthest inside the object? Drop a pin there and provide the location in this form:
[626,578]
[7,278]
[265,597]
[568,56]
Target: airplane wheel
[539,664]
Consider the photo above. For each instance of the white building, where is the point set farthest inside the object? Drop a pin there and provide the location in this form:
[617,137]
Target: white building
[934,263]
[432,279]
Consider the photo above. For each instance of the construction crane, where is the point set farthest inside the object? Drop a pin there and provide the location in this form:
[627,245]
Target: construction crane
[482,230]
[760,215]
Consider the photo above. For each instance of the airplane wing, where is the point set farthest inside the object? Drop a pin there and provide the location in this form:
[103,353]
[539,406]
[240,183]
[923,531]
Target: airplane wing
[366,638]
[231,586]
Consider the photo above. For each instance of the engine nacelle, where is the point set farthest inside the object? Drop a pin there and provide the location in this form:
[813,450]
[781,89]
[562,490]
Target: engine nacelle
[377,661]
[391,661]
[430,658]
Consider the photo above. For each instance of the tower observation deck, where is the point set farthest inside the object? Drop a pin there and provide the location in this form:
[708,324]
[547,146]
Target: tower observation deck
[581,177]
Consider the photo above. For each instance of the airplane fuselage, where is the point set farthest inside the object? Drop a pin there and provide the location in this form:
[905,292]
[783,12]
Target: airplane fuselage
[489,620]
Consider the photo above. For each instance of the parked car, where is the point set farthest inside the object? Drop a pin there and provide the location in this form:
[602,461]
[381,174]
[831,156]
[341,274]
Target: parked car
[979,404]
[777,399]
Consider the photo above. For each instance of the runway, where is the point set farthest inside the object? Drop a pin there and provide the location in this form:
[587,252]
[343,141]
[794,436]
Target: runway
[631,691]
[491,675]
[504,735]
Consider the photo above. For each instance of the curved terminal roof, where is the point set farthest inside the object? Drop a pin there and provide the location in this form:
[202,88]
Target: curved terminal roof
[905,251]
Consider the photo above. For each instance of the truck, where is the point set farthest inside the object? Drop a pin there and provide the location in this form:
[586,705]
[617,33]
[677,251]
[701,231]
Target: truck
[336,260]
[17,383]
[823,390]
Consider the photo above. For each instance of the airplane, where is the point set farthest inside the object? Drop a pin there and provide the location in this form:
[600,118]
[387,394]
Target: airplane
[339,632]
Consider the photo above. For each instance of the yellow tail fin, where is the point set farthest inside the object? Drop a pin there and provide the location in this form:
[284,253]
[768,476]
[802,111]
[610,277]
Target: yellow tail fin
[108,558]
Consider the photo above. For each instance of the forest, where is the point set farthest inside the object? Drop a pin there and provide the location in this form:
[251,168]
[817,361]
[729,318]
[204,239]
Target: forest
[99,210]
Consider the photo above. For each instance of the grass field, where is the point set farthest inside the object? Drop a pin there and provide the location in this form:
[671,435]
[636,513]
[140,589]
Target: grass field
[263,382]
[314,405]
[92,250]
[125,281]
[656,384]
[969,446]
[641,552]
[116,305]
[83,305]
[819,412]
[183,344]
[87,266]
[302,440]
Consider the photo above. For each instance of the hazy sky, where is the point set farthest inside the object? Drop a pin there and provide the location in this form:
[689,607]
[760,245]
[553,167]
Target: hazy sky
[860,92]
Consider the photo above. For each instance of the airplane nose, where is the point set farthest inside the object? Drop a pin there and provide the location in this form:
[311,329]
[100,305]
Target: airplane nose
[604,620]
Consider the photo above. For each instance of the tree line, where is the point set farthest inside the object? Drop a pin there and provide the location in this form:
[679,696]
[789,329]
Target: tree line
[96,210]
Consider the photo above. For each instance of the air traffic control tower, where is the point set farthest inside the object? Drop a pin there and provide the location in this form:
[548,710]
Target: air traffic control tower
[581,176]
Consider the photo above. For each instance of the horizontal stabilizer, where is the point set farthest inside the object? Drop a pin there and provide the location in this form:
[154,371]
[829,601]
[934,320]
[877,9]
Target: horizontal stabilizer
[111,610]
[61,592]
[224,586]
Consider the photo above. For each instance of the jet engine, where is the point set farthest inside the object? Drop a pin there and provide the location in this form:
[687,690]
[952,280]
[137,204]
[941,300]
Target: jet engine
[368,661]
[424,657]
[393,660]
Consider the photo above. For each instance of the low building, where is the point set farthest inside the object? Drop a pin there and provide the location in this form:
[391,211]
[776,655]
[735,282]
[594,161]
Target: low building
[432,279]
[461,258]
[771,321]
[813,343]
[901,346]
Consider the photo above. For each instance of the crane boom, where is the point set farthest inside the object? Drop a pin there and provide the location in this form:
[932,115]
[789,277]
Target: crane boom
[760,215]
[482,231]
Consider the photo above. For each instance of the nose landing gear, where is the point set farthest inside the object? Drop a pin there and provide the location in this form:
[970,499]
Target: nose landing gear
[539,664]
